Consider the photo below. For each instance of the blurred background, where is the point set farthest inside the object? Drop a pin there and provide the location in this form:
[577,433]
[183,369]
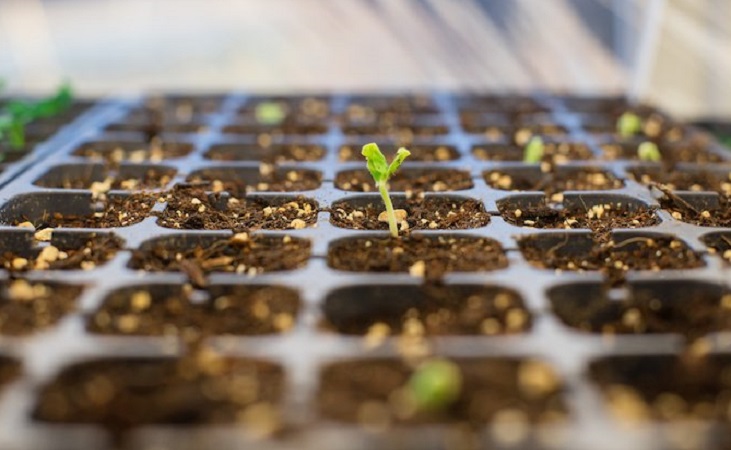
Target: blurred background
[676,53]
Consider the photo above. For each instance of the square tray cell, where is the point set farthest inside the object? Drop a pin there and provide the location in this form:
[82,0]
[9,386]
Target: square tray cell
[612,106]
[307,108]
[276,153]
[285,128]
[686,307]
[433,153]
[687,178]
[10,369]
[554,152]
[559,179]
[719,243]
[192,208]
[240,180]
[593,211]
[122,393]
[428,309]
[614,255]
[28,306]
[97,178]
[429,256]
[133,151]
[414,104]
[184,105]
[431,213]
[698,208]
[151,129]
[526,390]
[64,250]
[67,210]
[171,309]
[508,104]
[402,131]
[407,179]
[200,254]
[637,388]
[682,152]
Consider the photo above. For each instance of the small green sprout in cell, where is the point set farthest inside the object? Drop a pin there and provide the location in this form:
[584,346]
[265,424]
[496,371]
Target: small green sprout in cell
[381,172]
[648,151]
[629,124]
[435,385]
[533,152]
[270,113]
[17,114]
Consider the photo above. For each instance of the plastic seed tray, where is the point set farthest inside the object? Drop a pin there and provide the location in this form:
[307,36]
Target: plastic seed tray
[180,273]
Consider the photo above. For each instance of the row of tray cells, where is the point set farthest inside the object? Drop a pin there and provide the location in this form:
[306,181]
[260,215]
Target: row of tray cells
[686,307]
[120,393]
[430,256]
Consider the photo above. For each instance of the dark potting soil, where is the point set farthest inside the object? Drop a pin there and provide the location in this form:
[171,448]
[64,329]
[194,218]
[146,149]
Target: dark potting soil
[406,180]
[553,182]
[670,153]
[554,152]
[271,181]
[115,152]
[435,213]
[152,178]
[598,217]
[192,208]
[676,179]
[26,307]
[79,254]
[181,311]
[276,153]
[422,256]
[680,209]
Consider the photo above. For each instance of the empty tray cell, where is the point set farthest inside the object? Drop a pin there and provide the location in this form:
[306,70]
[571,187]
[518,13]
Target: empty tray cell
[67,210]
[123,393]
[166,309]
[690,152]
[526,390]
[48,249]
[695,179]
[184,105]
[414,104]
[613,255]
[276,153]
[376,311]
[719,243]
[151,128]
[698,208]
[613,106]
[554,152]
[133,151]
[192,208]
[265,178]
[407,179]
[27,307]
[594,211]
[645,387]
[422,256]
[198,254]
[97,178]
[559,179]
[284,128]
[509,104]
[484,120]
[273,109]
[689,308]
[431,213]
[402,130]
[519,135]
[419,152]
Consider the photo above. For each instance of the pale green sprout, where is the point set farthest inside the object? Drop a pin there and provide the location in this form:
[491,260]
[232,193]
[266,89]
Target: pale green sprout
[648,151]
[381,172]
[270,113]
[533,151]
[435,385]
[629,124]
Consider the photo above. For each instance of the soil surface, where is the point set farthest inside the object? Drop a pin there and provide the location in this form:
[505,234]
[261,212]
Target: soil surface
[192,208]
[287,127]
[688,212]
[677,179]
[419,152]
[614,259]
[219,310]
[122,393]
[553,153]
[274,181]
[719,243]
[27,307]
[84,253]
[597,217]
[431,213]
[370,391]
[437,180]
[422,256]
[553,182]
[241,254]
[402,132]
[670,153]
[152,178]
[115,152]
[435,308]
[277,153]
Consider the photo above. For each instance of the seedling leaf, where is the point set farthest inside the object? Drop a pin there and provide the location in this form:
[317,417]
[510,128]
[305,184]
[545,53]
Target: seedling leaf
[270,113]
[629,124]
[376,162]
[435,385]
[533,152]
[648,151]
[401,155]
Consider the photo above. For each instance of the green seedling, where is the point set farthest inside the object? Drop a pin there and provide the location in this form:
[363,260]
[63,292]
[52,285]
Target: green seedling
[435,385]
[270,113]
[648,151]
[17,114]
[533,152]
[629,124]
[381,172]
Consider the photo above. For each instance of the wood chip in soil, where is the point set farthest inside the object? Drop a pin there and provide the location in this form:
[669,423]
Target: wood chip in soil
[422,256]
[193,208]
[225,310]
[437,180]
[435,213]
[28,306]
